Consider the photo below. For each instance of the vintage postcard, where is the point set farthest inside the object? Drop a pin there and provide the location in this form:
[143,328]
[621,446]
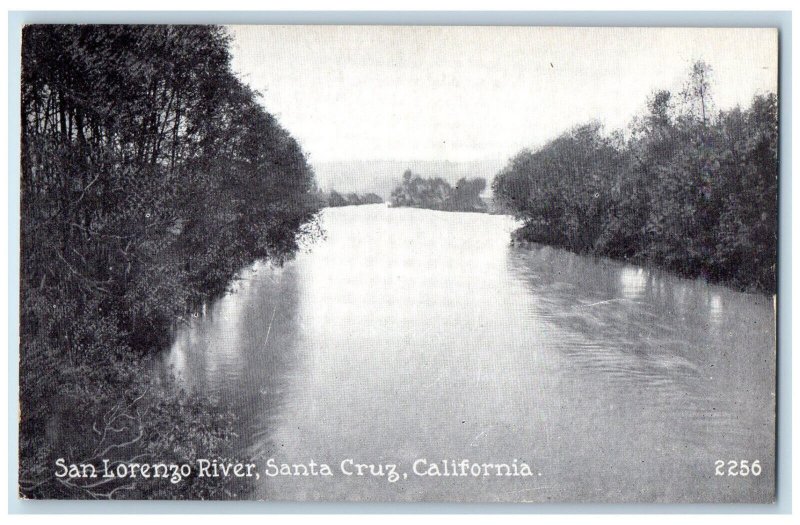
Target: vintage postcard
[398,263]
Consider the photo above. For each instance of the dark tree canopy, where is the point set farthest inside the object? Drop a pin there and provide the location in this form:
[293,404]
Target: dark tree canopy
[690,189]
[335,199]
[150,176]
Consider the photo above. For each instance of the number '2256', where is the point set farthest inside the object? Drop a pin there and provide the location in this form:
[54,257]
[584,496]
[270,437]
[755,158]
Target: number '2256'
[737,468]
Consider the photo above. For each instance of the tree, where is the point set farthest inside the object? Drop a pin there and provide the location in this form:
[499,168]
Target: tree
[691,190]
[150,176]
[435,193]
[696,93]
[335,199]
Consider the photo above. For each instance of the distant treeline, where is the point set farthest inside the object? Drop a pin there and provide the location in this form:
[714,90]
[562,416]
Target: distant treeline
[436,194]
[689,189]
[335,199]
[150,176]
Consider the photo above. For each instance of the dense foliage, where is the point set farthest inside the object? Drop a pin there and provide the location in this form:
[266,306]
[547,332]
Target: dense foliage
[688,189]
[335,199]
[435,193]
[150,176]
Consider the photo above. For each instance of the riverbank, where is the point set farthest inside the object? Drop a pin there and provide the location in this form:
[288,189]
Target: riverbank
[692,192]
[145,189]
[524,238]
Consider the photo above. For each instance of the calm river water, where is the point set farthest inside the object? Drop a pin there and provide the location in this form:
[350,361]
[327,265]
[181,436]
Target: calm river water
[413,334]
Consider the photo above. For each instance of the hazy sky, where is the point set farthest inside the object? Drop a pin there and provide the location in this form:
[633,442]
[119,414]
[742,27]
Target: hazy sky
[475,93]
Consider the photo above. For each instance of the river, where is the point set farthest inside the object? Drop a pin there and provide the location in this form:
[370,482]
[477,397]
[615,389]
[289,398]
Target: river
[412,334]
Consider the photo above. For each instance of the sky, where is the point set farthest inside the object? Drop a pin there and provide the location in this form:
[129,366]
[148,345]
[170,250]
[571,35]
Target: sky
[464,94]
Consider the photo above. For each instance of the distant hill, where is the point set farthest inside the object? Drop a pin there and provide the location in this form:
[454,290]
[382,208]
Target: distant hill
[382,176]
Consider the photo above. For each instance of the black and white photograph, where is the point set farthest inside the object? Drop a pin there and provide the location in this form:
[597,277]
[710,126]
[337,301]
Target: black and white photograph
[398,263]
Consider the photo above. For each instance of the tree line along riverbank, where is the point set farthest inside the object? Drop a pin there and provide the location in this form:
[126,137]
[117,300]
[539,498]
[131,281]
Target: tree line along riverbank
[150,176]
[686,188]
[334,199]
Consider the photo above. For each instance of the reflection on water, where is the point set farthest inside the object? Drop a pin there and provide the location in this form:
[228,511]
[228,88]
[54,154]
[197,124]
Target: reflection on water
[413,334]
